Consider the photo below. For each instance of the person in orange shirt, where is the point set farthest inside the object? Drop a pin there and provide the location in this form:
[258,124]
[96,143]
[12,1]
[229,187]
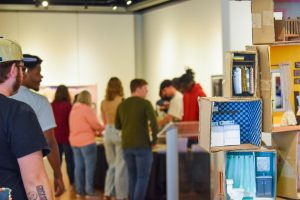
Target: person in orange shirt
[83,127]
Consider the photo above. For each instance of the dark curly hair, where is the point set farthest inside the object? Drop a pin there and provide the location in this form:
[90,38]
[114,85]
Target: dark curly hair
[187,77]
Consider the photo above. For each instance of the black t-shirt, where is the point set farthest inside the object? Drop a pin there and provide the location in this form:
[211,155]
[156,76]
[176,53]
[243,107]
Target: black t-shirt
[20,135]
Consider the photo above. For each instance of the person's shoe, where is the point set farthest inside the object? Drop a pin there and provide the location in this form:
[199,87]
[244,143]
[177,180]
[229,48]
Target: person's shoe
[106,198]
[93,196]
[78,195]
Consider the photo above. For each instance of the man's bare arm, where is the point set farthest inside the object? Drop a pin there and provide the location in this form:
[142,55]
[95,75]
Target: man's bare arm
[34,177]
[54,161]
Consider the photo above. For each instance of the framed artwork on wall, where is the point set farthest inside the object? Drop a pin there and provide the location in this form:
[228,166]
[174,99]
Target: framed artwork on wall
[297,64]
[277,92]
[297,81]
[49,91]
[297,72]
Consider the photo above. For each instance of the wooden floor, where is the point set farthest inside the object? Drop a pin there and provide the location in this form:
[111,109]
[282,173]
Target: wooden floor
[70,193]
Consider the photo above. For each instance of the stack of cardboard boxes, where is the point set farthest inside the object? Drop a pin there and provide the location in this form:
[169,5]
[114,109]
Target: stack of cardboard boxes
[230,128]
[270,37]
[272,172]
[247,170]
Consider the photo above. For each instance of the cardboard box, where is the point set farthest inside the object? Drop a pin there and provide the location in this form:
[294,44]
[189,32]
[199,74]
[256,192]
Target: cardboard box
[262,22]
[264,70]
[245,112]
[258,167]
[286,140]
[279,30]
[248,60]
[266,30]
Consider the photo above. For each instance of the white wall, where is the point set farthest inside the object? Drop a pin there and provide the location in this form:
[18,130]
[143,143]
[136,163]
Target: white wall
[77,49]
[180,35]
[240,24]
[81,49]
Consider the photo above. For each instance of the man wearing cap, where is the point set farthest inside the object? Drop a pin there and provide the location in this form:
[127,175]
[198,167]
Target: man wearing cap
[22,144]
[175,111]
[42,108]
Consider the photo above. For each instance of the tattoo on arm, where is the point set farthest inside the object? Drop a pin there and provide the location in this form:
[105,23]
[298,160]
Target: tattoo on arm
[32,196]
[39,194]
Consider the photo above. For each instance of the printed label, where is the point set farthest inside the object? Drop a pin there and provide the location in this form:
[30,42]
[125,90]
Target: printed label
[223,123]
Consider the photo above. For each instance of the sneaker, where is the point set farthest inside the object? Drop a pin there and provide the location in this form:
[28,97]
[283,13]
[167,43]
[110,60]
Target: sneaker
[94,196]
[105,197]
[79,195]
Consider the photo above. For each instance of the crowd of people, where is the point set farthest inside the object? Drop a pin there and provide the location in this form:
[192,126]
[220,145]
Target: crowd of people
[31,127]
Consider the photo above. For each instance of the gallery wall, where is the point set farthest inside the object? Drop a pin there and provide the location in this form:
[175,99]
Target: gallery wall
[181,35]
[87,49]
[77,49]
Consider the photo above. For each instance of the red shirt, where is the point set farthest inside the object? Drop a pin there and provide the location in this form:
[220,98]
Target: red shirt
[61,112]
[190,103]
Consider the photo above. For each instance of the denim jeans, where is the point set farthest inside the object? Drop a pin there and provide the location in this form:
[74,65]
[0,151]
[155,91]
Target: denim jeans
[85,165]
[139,163]
[116,180]
[67,150]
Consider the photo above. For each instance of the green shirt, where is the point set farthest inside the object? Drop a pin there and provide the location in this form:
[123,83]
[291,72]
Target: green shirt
[132,117]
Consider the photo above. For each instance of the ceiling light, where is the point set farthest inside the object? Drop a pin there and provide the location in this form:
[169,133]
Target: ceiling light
[115,8]
[128,2]
[45,3]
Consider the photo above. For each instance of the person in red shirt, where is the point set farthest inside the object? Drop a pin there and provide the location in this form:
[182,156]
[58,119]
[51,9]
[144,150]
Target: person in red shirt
[61,106]
[191,92]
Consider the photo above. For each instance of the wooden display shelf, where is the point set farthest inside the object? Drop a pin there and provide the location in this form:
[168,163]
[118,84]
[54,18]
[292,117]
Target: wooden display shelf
[240,147]
[285,129]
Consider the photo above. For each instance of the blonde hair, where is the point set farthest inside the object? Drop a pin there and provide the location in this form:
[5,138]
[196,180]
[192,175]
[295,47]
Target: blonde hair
[85,97]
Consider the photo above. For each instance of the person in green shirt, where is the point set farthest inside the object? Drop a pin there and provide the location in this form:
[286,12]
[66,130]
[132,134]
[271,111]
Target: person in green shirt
[133,118]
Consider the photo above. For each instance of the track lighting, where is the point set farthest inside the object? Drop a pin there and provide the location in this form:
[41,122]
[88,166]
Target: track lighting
[45,3]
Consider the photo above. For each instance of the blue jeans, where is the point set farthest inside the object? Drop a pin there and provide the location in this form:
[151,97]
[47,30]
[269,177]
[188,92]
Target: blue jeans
[139,163]
[116,180]
[67,150]
[85,165]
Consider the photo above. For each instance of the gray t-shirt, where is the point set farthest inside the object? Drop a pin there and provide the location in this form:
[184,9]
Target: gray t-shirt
[39,104]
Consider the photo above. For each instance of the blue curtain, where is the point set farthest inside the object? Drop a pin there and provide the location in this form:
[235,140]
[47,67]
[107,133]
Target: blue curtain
[240,167]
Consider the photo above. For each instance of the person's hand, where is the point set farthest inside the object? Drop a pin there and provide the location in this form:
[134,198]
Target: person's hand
[97,133]
[161,124]
[59,187]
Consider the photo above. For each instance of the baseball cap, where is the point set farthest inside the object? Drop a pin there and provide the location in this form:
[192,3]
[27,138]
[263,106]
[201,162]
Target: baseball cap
[31,61]
[9,50]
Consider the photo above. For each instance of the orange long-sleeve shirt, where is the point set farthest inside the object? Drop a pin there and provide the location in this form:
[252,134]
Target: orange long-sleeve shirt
[83,125]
